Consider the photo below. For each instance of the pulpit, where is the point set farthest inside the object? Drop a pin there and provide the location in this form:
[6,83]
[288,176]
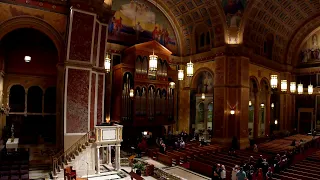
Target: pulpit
[107,137]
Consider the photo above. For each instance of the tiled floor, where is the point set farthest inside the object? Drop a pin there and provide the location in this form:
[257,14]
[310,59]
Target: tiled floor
[185,173]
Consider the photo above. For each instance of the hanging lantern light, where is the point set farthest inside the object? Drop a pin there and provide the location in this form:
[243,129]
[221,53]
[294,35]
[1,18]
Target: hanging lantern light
[274,81]
[107,63]
[203,96]
[272,105]
[250,103]
[190,69]
[310,89]
[275,122]
[284,85]
[172,85]
[300,88]
[153,62]
[293,87]
[232,111]
[27,58]
[131,94]
[180,75]
[262,105]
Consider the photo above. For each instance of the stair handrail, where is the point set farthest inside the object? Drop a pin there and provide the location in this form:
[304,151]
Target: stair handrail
[63,157]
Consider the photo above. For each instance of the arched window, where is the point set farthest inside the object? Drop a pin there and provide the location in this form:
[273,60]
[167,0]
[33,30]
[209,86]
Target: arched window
[208,38]
[202,39]
[17,98]
[50,100]
[34,99]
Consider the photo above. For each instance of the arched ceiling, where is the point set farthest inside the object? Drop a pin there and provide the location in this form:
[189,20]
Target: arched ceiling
[190,13]
[282,18]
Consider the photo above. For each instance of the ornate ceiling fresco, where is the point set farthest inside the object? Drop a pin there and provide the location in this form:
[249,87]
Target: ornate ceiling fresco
[281,18]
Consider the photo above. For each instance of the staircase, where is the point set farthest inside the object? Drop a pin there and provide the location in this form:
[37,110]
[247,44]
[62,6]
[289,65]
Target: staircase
[80,156]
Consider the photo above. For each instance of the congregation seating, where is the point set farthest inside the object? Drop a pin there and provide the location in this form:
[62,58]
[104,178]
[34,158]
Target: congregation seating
[306,169]
[14,165]
[281,145]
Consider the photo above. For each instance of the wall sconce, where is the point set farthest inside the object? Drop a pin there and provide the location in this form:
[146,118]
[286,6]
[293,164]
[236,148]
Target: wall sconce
[203,96]
[274,81]
[293,87]
[310,89]
[262,105]
[275,122]
[131,94]
[27,59]
[284,85]
[300,88]
[232,111]
[272,105]
[172,85]
[250,103]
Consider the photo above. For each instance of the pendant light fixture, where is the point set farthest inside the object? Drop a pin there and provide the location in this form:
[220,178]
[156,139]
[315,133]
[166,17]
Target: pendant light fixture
[107,63]
[274,81]
[180,73]
[153,62]
[190,69]
[284,85]
[310,89]
[272,105]
[203,96]
[300,88]
[131,93]
[250,103]
[293,87]
[27,59]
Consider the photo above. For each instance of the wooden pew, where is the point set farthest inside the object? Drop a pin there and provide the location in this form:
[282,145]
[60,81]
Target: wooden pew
[201,168]
[165,159]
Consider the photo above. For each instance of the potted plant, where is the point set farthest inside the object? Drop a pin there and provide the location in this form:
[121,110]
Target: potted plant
[139,167]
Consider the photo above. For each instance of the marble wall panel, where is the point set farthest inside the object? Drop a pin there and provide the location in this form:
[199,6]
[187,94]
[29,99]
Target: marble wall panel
[95,57]
[103,40]
[93,100]
[76,100]
[100,102]
[184,110]
[81,37]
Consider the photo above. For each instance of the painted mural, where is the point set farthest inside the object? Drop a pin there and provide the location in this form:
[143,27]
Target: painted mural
[310,52]
[234,11]
[205,83]
[56,20]
[138,21]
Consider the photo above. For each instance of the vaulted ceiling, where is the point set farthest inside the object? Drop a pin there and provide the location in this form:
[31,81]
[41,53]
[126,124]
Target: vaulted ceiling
[281,18]
[190,13]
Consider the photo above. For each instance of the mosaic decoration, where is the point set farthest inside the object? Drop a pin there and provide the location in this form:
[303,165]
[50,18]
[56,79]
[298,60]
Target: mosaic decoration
[234,10]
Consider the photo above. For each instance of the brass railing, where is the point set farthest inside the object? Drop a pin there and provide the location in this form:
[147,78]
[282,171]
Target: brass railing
[63,157]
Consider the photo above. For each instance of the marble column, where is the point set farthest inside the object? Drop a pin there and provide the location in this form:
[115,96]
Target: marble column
[256,115]
[268,114]
[98,159]
[84,75]
[117,158]
[109,156]
[231,92]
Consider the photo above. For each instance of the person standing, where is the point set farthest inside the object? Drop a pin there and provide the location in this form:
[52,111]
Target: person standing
[223,174]
[241,175]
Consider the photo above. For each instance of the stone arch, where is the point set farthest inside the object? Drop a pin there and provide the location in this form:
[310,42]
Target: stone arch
[37,24]
[256,81]
[267,82]
[197,74]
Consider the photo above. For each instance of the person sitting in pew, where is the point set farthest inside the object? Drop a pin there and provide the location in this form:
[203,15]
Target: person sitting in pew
[293,143]
[203,143]
[182,144]
[269,174]
[163,148]
[177,145]
[251,160]
[255,148]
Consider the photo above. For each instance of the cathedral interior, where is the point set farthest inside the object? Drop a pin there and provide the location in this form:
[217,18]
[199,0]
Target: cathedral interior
[231,75]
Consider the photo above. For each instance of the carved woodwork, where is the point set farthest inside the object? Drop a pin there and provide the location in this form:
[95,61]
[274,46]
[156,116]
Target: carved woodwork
[153,100]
